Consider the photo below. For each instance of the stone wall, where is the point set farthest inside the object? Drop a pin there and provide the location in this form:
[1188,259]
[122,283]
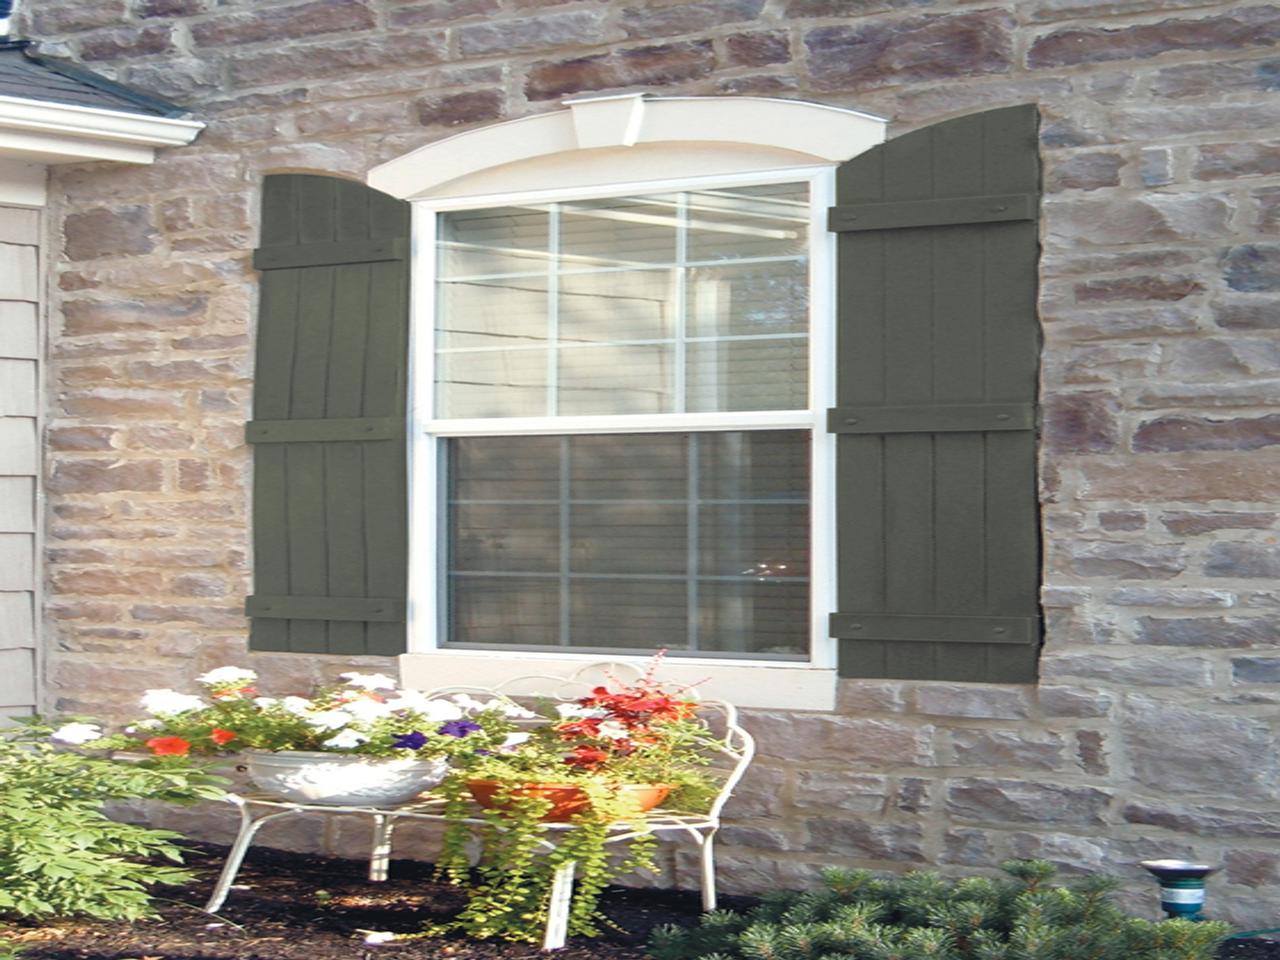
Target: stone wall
[1153,731]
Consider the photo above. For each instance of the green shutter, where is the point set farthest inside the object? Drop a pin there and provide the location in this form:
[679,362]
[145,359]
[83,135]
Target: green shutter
[329,473]
[937,353]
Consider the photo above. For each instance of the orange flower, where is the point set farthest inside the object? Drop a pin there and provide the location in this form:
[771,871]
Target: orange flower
[169,746]
[220,736]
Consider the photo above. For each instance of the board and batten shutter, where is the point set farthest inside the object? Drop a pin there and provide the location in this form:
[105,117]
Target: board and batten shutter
[937,356]
[328,428]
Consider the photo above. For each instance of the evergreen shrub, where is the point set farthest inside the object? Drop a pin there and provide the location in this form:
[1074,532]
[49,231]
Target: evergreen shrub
[923,916]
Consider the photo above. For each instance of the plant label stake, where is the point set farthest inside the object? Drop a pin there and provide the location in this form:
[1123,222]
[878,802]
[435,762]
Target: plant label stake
[1181,886]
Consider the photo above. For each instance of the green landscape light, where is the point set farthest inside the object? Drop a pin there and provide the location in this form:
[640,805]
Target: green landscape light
[1181,886]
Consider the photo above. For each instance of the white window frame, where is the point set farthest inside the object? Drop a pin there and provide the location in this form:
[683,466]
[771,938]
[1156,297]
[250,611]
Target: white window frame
[669,124]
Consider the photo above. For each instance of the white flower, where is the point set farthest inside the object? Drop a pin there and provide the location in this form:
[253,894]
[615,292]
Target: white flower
[298,705]
[512,710]
[329,719]
[221,675]
[366,710]
[513,740]
[439,710]
[369,681]
[142,725]
[264,702]
[613,730]
[572,711]
[467,702]
[169,702]
[346,740]
[375,937]
[76,733]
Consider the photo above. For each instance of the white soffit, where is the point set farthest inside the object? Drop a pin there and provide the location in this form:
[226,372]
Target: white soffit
[734,134]
[43,132]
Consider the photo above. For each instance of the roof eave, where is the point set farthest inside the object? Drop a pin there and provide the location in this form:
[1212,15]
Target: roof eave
[52,132]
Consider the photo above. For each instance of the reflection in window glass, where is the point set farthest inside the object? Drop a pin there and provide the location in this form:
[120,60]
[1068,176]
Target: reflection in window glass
[690,541]
[695,301]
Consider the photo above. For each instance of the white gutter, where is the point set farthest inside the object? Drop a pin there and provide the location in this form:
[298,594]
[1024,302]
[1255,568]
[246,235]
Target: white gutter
[47,132]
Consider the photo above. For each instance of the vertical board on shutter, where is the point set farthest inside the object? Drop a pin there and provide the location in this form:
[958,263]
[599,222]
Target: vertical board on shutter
[937,530]
[329,508]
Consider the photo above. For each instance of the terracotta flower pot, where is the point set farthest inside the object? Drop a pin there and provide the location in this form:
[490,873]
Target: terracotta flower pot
[567,799]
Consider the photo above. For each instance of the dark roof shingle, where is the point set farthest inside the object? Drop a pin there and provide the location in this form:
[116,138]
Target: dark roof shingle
[26,74]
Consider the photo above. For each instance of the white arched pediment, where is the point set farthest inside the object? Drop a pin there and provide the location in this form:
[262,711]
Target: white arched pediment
[630,138]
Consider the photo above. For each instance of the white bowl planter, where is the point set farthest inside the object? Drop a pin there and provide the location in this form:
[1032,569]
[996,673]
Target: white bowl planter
[340,779]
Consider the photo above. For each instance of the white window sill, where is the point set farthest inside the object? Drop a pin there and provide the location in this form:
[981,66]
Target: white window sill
[770,685]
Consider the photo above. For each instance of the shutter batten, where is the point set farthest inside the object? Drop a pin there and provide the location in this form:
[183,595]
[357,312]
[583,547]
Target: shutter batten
[937,355]
[330,483]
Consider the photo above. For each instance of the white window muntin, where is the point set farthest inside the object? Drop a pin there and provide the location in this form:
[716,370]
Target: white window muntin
[426,616]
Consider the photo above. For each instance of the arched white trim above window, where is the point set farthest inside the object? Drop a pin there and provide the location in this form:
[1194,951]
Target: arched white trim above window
[640,137]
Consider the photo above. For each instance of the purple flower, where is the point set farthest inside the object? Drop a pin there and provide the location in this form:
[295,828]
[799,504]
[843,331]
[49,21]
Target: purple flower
[410,741]
[457,728]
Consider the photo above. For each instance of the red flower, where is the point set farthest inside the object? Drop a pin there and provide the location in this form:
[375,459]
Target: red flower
[235,694]
[220,736]
[169,746]
[586,757]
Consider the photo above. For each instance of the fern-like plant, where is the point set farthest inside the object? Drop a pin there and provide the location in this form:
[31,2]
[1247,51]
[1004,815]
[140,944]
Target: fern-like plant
[923,916]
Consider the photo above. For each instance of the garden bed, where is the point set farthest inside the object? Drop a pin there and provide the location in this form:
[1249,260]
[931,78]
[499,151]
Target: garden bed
[314,908]
[301,907]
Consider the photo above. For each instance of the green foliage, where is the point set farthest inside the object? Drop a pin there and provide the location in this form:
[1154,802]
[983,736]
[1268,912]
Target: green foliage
[59,854]
[922,916]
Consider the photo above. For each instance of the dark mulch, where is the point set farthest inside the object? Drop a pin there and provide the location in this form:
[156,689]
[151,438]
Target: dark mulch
[316,908]
[296,907]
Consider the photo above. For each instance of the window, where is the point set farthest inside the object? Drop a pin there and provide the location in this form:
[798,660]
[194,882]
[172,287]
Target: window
[621,419]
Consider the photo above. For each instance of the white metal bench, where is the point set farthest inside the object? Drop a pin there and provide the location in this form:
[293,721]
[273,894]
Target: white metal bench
[733,744]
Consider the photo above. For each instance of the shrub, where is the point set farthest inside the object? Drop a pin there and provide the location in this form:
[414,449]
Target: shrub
[59,853]
[922,916]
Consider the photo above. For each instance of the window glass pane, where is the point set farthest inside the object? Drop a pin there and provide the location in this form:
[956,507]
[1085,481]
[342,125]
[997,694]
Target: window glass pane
[684,302]
[629,533]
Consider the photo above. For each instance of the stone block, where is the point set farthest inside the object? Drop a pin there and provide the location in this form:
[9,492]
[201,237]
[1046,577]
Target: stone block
[1208,632]
[1191,750]
[440,12]
[974,701]
[118,44]
[1075,702]
[1255,669]
[543,32]
[1125,561]
[1207,820]
[319,60]
[87,317]
[1091,752]
[760,793]
[106,476]
[1007,748]
[1239,29]
[1190,478]
[109,232]
[658,65]
[1243,560]
[449,110]
[967,847]
[273,24]
[1203,433]
[1068,853]
[757,48]
[1171,597]
[1084,171]
[802,736]
[1121,323]
[1138,289]
[1233,161]
[869,696]
[1252,268]
[1248,312]
[1081,422]
[107,582]
[51,19]
[894,842]
[1112,520]
[1155,218]
[1128,669]
[1252,868]
[839,790]
[650,21]
[918,48]
[1002,801]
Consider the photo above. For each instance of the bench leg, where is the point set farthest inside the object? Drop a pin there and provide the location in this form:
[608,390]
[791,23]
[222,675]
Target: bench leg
[709,872]
[558,910]
[380,855]
[244,839]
